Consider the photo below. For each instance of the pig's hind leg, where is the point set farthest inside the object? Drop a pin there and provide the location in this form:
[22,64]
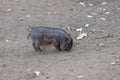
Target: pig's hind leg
[36,45]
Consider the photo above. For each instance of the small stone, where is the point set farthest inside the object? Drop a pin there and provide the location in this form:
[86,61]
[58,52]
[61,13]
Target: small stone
[91,4]
[107,12]
[103,19]
[81,35]
[103,3]
[79,29]
[28,16]
[73,9]
[103,9]
[55,13]
[36,73]
[21,19]
[86,25]
[80,76]
[114,41]
[83,4]
[9,10]
[101,44]
[7,40]
[89,16]
[118,9]
[49,13]
[113,63]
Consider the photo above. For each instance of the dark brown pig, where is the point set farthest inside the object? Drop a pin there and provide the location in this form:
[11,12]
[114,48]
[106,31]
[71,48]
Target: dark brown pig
[59,38]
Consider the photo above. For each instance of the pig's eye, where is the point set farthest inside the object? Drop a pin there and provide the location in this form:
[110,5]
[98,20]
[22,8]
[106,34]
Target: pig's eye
[66,39]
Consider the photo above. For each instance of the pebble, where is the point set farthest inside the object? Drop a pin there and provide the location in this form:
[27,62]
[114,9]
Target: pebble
[9,10]
[80,76]
[114,41]
[107,12]
[103,3]
[113,63]
[36,73]
[81,35]
[83,4]
[103,19]
[91,4]
[101,44]
[89,16]
[79,29]
[28,15]
[21,19]
[7,40]
[86,25]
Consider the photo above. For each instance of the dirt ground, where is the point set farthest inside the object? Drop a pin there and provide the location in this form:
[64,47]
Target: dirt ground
[94,57]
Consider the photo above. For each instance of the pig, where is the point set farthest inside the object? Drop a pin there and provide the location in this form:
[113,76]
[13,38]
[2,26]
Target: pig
[44,36]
